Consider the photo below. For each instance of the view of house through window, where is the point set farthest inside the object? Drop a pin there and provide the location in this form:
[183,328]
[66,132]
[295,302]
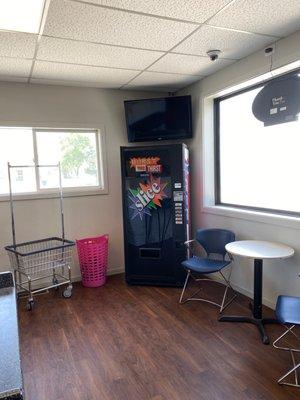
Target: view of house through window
[258,165]
[76,150]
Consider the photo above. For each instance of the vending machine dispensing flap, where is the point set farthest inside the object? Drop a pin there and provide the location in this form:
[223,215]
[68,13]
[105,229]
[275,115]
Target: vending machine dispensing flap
[152,253]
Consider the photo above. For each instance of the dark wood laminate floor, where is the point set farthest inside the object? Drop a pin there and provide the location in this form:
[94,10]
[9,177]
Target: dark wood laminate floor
[124,342]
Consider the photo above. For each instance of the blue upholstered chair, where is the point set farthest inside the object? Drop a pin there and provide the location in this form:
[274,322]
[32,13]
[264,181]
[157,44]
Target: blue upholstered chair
[288,314]
[213,241]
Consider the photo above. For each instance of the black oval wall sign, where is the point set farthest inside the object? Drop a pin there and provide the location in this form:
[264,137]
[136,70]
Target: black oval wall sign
[278,102]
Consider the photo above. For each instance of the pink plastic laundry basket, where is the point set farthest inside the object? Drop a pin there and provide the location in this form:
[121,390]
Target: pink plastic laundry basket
[93,254]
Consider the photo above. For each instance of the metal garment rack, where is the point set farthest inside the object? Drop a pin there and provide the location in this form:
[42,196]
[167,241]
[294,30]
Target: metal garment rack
[36,257]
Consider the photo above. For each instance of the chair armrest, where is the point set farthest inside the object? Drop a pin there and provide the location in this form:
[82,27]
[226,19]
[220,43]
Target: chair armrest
[188,242]
[189,245]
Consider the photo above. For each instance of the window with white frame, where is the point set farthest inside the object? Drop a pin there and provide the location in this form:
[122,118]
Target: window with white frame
[78,151]
[257,166]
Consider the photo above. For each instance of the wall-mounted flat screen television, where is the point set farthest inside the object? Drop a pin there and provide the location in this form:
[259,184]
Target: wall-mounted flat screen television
[159,119]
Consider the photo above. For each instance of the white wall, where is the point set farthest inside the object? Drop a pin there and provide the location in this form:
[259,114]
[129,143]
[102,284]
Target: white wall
[58,106]
[280,277]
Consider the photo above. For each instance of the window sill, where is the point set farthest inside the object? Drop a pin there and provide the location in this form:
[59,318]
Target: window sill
[251,215]
[51,194]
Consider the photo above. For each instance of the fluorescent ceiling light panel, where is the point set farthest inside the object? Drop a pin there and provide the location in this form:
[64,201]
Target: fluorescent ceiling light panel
[21,15]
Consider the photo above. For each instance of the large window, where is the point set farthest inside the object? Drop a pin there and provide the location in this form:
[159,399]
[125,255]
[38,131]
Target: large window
[77,151]
[257,166]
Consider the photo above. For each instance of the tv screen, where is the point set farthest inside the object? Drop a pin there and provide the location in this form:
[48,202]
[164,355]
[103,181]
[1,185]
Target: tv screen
[159,119]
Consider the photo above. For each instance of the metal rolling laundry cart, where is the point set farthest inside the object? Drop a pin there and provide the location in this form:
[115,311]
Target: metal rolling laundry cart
[41,259]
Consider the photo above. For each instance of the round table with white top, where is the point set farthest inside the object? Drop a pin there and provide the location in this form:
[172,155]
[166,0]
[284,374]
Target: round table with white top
[257,250]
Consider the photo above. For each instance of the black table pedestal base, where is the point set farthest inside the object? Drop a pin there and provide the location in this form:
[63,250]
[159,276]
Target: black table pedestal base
[260,323]
[255,306]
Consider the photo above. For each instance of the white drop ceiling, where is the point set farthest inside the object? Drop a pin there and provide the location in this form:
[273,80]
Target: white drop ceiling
[141,44]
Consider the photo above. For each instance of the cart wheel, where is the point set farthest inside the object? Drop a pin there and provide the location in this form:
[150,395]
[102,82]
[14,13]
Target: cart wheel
[29,305]
[67,293]
[55,282]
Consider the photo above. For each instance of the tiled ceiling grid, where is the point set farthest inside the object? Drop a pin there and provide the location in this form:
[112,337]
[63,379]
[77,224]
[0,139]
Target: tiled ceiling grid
[141,44]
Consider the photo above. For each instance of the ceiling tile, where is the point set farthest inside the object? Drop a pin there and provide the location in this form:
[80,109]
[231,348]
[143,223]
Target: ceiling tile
[17,44]
[15,67]
[69,72]
[186,64]
[54,82]
[190,10]
[91,23]
[272,17]
[166,82]
[70,51]
[233,44]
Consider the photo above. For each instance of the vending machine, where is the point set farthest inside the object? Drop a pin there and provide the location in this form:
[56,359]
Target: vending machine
[155,186]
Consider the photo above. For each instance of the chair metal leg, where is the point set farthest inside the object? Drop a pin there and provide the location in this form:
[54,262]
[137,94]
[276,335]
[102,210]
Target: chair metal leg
[294,363]
[292,353]
[184,287]
[294,369]
[192,297]
[228,286]
[287,331]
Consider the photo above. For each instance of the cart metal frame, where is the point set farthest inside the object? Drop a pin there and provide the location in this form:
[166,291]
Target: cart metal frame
[38,257]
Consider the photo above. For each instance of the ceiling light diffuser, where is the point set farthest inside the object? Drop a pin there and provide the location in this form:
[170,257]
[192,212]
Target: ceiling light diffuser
[21,15]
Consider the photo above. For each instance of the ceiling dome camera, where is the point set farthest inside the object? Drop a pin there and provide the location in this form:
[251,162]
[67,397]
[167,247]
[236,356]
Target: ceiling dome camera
[213,54]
